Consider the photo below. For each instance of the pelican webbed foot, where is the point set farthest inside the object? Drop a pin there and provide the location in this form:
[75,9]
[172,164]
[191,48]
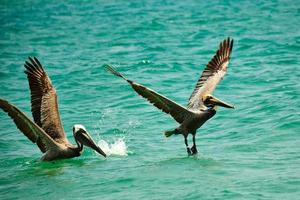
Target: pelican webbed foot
[188,151]
[194,150]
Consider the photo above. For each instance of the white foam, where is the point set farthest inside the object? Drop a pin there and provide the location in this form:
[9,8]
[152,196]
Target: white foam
[118,147]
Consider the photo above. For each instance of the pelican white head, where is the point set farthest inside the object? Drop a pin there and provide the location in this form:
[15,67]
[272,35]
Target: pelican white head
[82,137]
[78,127]
[212,101]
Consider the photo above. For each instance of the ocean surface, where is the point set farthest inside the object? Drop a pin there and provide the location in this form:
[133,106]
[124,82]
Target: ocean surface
[250,152]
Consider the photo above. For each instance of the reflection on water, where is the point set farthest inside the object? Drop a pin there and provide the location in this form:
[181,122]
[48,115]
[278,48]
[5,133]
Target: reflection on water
[196,160]
[51,168]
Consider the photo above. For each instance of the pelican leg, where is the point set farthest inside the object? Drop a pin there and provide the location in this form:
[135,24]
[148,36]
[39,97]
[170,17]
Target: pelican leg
[187,146]
[194,148]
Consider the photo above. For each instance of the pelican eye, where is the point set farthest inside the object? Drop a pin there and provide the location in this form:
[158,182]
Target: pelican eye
[206,101]
[81,130]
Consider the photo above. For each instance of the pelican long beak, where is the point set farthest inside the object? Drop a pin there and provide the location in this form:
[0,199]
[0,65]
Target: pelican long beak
[214,101]
[85,139]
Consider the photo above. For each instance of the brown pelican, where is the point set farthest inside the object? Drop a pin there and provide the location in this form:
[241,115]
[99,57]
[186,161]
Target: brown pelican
[46,130]
[201,106]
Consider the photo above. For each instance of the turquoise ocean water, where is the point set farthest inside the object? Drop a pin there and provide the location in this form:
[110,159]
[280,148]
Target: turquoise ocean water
[252,152]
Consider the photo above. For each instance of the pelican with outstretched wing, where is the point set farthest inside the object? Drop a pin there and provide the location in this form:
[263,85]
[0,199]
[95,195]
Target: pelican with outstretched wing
[201,106]
[46,130]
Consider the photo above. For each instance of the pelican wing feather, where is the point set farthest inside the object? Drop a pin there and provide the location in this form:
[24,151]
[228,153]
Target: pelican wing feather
[30,129]
[44,105]
[178,112]
[213,73]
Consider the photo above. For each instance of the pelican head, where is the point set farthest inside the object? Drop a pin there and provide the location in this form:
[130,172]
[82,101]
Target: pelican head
[211,101]
[82,137]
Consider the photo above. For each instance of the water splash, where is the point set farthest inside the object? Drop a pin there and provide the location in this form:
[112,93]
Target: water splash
[118,147]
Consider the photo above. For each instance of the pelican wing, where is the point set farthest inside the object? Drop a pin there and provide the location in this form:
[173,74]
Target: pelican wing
[212,74]
[178,112]
[43,100]
[28,127]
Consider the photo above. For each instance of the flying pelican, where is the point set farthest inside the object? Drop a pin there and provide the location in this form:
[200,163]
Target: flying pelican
[46,130]
[201,106]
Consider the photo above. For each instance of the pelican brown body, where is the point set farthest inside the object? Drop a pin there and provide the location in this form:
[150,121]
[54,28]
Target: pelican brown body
[46,130]
[201,106]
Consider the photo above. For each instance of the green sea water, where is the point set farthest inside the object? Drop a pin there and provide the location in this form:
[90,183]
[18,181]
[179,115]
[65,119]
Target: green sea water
[251,152]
